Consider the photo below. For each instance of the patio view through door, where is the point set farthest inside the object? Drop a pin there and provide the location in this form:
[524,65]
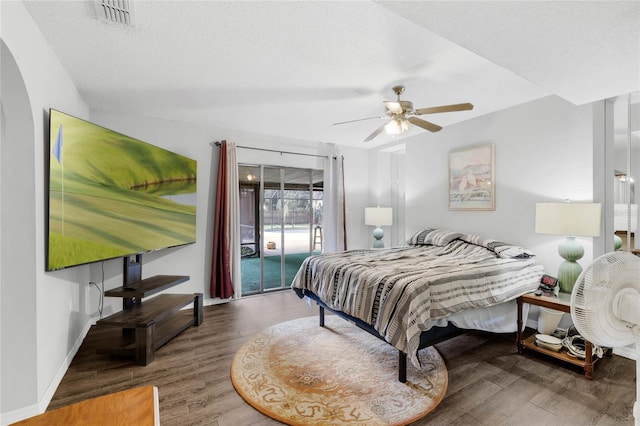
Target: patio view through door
[280,221]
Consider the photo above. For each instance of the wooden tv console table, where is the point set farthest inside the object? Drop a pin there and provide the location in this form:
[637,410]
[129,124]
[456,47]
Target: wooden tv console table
[141,328]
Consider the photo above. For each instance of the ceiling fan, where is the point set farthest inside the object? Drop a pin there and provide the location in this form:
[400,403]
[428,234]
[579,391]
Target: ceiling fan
[401,113]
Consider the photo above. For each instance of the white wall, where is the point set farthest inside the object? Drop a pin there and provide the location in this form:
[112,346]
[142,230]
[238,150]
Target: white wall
[386,188]
[542,153]
[18,294]
[43,311]
[356,170]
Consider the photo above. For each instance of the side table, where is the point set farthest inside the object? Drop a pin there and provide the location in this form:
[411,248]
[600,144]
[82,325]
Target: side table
[561,303]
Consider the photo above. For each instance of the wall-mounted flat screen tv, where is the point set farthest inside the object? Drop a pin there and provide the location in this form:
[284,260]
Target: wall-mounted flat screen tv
[111,195]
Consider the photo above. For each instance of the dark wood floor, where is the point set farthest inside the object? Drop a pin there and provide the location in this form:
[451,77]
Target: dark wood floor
[489,383]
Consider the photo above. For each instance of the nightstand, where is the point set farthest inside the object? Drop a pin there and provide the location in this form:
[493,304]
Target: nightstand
[561,303]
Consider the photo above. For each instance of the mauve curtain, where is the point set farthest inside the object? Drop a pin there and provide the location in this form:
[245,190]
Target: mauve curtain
[225,263]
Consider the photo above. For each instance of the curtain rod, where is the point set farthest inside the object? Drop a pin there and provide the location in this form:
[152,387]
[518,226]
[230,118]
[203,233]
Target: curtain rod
[281,152]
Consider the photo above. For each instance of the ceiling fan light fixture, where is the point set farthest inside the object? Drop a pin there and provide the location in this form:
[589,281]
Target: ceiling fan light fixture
[402,116]
[393,128]
[396,126]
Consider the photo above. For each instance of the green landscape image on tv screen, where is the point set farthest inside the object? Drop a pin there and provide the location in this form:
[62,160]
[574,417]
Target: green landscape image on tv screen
[111,195]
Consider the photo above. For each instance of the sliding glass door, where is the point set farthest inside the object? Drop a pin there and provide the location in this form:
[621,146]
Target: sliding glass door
[281,221]
[274,214]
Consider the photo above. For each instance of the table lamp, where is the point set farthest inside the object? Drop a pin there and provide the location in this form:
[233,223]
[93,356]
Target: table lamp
[571,220]
[378,216]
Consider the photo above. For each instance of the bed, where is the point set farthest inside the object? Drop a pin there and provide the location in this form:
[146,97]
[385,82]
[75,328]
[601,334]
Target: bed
[438,285]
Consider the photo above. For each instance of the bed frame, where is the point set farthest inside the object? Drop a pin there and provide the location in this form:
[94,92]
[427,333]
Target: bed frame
[428,338]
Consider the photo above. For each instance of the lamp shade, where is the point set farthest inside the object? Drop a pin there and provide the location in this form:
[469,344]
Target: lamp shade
[569,219]
[378,216]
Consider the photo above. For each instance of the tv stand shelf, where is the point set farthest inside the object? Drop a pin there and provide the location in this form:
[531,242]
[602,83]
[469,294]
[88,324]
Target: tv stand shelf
[147,286]
[141,328]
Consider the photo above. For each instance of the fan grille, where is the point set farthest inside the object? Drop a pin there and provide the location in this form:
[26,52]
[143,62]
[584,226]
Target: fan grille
[593,298]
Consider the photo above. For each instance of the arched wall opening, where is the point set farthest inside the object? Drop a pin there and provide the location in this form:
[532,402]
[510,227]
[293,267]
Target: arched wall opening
[18,338]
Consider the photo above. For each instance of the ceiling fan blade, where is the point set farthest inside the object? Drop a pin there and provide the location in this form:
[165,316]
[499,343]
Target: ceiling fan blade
[359,119]
[445,108]
[424,124]
[393,106]
[375,133]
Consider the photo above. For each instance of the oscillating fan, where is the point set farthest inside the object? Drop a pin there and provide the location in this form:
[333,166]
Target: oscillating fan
[605,306]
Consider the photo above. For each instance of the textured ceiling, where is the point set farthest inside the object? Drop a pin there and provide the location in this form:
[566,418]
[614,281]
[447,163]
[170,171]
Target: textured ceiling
[291,69]
[582,51]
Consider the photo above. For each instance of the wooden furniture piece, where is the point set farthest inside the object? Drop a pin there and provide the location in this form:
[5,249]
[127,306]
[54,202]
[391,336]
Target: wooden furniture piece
[561,303]
[137,406]
[141,328]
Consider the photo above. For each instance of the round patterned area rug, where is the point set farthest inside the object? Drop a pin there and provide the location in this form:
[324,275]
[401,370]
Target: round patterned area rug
[302,374]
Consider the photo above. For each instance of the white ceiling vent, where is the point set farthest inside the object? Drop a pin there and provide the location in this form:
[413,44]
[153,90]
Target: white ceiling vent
[116,11]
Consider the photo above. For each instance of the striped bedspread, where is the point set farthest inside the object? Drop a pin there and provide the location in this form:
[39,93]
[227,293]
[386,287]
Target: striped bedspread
[400,290]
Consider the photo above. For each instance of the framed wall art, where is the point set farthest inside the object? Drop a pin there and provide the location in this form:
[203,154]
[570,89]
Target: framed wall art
[472,178]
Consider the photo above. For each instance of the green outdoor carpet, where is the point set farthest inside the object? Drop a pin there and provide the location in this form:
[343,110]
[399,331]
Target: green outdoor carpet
[251,271]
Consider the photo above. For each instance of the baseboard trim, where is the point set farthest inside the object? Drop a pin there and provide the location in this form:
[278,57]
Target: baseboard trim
[216,301]
[14,416]
[39,408]
[532,323]
[627,352]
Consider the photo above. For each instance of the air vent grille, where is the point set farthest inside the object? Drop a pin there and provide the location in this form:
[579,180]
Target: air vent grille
[116,11]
